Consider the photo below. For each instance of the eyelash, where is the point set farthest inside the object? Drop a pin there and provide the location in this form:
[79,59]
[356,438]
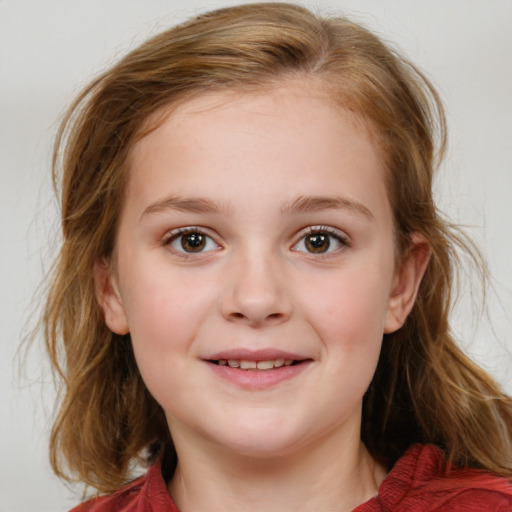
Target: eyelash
[330,232]
[341,238]
[176,234]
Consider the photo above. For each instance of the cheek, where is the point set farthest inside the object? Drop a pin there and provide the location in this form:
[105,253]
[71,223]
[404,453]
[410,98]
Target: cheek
[350,309]
[164,315]
[164,311]
[350,319]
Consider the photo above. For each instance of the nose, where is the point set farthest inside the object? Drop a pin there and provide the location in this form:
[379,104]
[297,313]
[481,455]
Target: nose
[256,292]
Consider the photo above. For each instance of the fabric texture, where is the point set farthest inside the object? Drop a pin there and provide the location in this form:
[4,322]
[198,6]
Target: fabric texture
[420,481]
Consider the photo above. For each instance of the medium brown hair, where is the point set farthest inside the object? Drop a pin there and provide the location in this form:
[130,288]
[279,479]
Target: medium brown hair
[424,390]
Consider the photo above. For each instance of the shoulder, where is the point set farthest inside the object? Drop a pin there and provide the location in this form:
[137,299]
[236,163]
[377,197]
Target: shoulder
[421,481]
[148,493]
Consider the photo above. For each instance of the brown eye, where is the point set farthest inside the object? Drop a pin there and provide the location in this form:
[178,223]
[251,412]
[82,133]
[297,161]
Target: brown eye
[321,241]
[191,241]
[318,242]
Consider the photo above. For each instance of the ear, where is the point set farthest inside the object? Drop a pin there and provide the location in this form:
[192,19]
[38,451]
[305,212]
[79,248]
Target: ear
[109,299]
[407,282]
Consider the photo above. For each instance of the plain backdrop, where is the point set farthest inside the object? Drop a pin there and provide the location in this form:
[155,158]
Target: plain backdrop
[50,48]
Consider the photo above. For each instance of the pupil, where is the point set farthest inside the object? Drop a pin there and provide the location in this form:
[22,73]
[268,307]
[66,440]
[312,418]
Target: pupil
[193,242]
[317,243]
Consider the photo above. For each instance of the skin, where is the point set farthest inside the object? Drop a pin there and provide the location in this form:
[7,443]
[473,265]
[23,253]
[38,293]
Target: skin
[237,169]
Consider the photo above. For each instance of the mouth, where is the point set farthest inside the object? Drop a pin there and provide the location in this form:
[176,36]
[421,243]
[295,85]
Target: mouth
[258,369]
[261,365]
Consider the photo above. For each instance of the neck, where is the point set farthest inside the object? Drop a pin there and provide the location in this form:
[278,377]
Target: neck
[327,475]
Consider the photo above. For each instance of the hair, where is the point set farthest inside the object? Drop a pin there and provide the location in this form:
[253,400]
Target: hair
[424,390]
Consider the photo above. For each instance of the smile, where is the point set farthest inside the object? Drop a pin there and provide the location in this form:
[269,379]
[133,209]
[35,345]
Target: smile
[258,373]
[255,365]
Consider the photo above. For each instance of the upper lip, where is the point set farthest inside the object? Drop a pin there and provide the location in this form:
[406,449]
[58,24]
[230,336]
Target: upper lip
[269,354]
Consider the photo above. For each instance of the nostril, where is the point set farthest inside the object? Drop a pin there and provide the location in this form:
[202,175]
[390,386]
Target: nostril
[240,316]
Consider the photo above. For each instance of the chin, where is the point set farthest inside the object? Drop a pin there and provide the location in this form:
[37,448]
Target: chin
[262,448]
[262,440]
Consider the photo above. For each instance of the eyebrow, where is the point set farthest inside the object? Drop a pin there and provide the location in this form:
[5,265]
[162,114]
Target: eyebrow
[186,204]
[302,204]
[310,204]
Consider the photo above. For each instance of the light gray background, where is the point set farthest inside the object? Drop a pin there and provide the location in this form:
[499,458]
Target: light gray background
[49,49]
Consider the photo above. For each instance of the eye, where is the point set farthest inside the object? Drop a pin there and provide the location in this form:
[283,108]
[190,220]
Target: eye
[190,240]
[321,241]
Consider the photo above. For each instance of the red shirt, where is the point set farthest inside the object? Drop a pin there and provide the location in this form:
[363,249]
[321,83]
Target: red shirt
[419,482]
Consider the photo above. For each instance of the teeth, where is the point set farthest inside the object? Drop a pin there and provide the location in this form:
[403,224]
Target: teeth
[247,365]
[265,365]
[255,365]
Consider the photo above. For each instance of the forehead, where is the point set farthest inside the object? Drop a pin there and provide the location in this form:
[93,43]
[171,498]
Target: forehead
[292,134]
[268,99]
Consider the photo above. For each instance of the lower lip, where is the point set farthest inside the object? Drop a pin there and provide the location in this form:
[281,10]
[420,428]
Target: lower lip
[258,379]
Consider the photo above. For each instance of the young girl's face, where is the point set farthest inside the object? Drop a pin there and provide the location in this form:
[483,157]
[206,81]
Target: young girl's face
[256,232]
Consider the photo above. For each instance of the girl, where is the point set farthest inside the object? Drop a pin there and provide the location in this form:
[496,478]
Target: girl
[253,291]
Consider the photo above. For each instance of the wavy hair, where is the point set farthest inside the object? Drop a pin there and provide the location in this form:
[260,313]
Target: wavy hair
[424,389]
